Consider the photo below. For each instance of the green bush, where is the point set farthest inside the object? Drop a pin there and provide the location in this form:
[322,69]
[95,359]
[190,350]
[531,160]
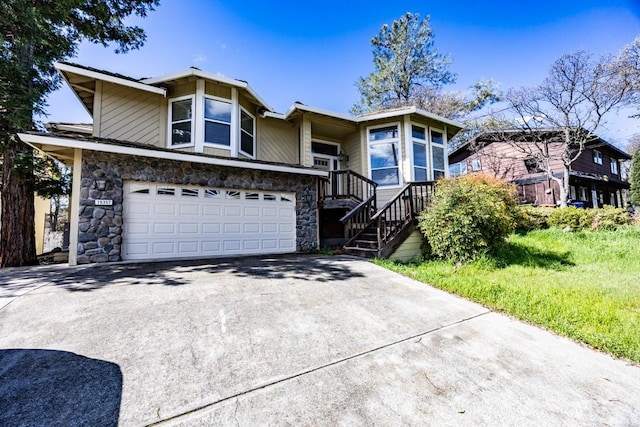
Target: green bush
[470,216]
[610,218]
[570,217]
[531,218]
[607,218]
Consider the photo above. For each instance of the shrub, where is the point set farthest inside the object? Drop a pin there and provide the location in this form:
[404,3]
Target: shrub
[610,218]
[470,216]
[607,218]
[570,217]
[530,218]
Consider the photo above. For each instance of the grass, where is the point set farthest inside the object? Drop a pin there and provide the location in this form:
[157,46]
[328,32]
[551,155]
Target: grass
[584,285]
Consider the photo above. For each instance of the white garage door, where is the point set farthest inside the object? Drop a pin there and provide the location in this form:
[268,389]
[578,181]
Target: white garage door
[173,221]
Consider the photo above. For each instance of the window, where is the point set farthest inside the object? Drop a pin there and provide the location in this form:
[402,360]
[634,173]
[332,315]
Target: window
[597,157]
[532,164]
[384,155]
[190,192]
[181,119]
[419,137]
[459,168]
[217,122]
[476,164]
[247,134]
[583,194]
[166,191]
[572,192]
[614,166]
[437,154]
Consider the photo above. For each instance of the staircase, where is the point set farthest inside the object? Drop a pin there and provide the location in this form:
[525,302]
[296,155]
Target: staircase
[391,225]
[369,232]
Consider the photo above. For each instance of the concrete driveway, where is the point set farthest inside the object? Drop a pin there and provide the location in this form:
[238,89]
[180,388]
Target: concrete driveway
[301,340]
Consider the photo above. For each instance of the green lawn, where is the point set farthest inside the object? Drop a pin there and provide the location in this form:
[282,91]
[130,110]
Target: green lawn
[584,285]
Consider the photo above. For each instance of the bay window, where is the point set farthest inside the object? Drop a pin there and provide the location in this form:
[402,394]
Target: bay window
[437,154]
[419,137]
[247,134]
[217,122]
[181,121]
[384,155]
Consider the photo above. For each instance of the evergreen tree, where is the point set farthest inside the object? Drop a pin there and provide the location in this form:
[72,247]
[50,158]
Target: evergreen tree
[406,62]
[634,177]
[34,35]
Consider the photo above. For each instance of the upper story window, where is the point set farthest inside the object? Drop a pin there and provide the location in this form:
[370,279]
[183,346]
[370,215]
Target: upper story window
[384,155]
[247,134]
[614,166]
[459,168]
[217,122]
[597,157]
[420,161]
[437,154]
[181,120]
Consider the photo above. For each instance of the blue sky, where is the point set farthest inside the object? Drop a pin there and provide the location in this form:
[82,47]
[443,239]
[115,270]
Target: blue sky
[313,52]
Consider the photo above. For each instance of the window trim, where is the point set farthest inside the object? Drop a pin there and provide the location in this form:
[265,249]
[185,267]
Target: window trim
[204,121]
[429,155]
[473,164]
[398,141]
[443,145]
[171,122]
[241,131]
[597,157]
[613,164]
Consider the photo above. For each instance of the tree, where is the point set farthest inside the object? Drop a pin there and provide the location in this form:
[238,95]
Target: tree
[405,62]
[634,177]
[35,34]
[558,119]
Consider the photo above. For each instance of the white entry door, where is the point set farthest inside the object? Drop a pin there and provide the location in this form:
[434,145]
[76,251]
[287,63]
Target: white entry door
[174,221]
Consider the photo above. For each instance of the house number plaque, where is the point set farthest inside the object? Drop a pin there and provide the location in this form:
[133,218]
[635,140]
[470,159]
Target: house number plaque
[103,202]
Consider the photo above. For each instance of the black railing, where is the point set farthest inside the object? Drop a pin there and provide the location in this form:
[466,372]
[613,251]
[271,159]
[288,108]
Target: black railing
[359,217]
[346,184]
[400,211]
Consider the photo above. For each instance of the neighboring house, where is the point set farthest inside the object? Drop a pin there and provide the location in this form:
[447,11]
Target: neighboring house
[192,164]
[595,178]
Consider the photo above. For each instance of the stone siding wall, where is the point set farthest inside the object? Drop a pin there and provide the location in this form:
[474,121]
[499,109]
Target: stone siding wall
[100,227]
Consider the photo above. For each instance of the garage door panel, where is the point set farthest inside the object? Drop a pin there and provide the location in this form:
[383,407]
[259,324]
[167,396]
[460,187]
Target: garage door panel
[189,247]
[190,209]
[163,247]
[211,228]
[269,228]
[189,221]
[188,228]
[209,210]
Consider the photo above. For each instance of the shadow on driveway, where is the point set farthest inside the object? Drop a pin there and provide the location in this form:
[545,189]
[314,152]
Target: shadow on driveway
[50,387]
[169,273]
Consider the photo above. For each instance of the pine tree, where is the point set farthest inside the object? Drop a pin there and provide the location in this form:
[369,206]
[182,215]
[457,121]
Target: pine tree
[34,35]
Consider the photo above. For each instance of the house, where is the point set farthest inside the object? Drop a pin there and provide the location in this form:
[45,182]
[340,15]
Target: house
[193,164]
[595,178]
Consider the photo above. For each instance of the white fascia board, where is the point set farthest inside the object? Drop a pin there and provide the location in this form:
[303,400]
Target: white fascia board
[144,152]
[108,78]
[320,111]
[192,72]
[274,115]
[405,111]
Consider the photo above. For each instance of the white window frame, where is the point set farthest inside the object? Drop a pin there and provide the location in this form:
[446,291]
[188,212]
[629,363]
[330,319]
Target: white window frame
[461,166]
[476,164]
[171,122]
[204,121]
[241,131]
[432,144]
[597,157]
[427,150]
[614,166]
[397,140]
